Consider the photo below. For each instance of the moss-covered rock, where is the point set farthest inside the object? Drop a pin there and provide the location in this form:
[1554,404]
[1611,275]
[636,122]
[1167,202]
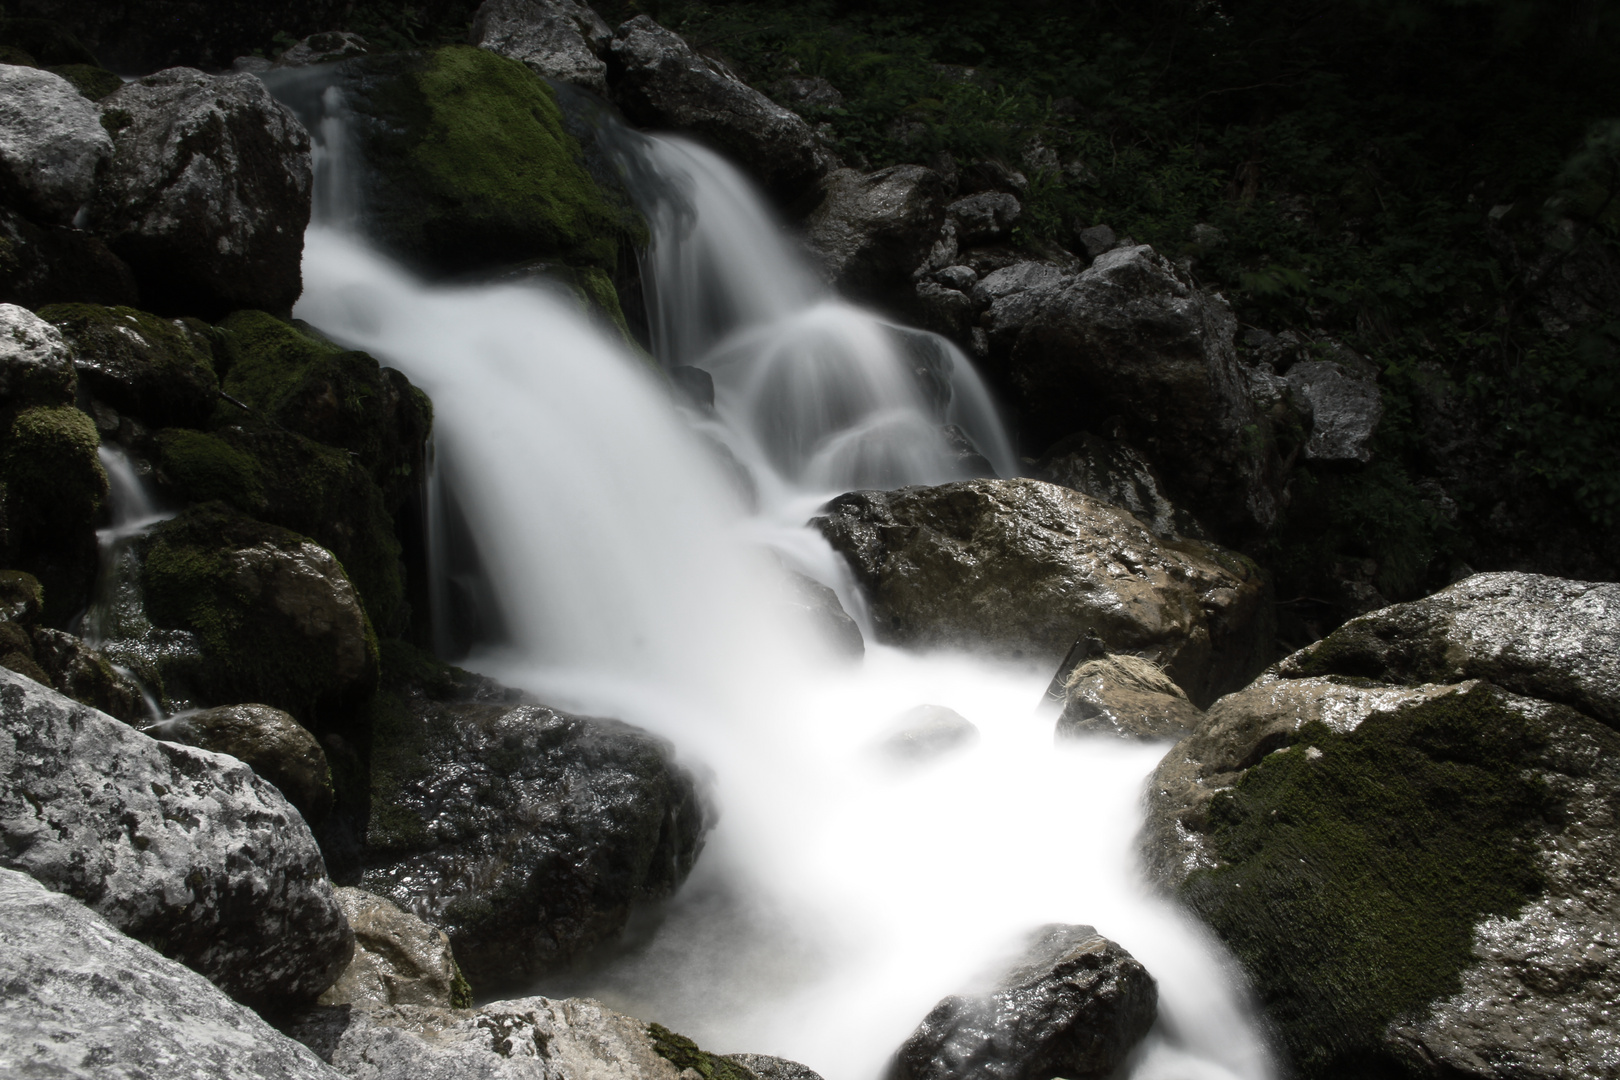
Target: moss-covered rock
[160,371]
[275,618]
[85,675]
[22,597]
[90,80]
[52,487]
[473,167]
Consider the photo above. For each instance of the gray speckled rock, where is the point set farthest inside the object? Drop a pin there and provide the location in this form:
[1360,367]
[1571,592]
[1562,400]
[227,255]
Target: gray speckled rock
[1074,1006]
[659,81]
[84,1000]
[51,142]
[175,846]
[766,1067]
[398,958]
[36,364]
[557,39]
[524,1039]
[1345,410]
[1547,637]
[208,193]
[872,229]
[1021,568]
[1125,696]
[270,741]
[984,218]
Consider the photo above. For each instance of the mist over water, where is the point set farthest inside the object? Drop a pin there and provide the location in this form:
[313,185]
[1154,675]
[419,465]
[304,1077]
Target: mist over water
[842,892]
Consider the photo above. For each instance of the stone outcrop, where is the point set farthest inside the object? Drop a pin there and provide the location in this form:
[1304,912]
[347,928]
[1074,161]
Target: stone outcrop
[660,81]
[1021,569]
[52,144]
[872,229]
[207,194]
[268,741]
[1113,472]
[557,39]
[1413,863]
[1074,1006]
[1125,696]
[36,363]
[398,959]
[85,1000]
[181,848]
[86,676]
[528,834]
[1345,410]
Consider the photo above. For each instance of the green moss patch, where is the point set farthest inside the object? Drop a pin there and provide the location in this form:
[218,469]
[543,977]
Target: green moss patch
[93,82]
[683,1053]
[54,483]
[474,167]
[1358,865]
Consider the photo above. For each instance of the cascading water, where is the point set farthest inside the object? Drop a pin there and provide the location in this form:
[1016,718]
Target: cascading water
[841,894]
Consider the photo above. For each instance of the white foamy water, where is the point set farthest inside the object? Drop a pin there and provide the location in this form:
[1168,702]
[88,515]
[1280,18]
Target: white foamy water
[841,893]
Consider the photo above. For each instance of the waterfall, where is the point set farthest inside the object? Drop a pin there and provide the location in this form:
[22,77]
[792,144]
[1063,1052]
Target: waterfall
[841,894]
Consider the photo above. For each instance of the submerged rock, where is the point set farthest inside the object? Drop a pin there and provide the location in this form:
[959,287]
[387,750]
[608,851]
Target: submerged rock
[208,193]
[929,731]
[51,143]
[186,850]
[528,834]
[1020,569]
[1074,1006]
[659,81]
[819,605]
[1125,696]
[398,959]
[270,742]
[556,39]
[85,1000]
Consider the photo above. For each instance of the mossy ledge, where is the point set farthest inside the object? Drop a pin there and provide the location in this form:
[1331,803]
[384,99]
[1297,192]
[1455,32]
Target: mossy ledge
[683,1053]
[1357,865]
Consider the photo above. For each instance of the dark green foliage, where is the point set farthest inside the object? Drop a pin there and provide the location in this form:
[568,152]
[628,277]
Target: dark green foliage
[683,1053]
[93,82]
[1353,880]
[47,43]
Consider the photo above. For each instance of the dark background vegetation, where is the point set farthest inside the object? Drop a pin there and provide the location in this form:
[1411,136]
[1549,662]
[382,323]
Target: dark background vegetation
[1434,183]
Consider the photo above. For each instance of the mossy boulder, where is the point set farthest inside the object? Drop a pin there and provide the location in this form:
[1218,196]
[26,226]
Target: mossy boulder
[160,371]
[270,742]
[52,487]
[275,618]
[472,166]
[90,80]
[22,597]
[334,396]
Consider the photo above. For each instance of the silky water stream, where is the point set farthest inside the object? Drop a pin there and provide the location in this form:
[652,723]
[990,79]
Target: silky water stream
[841,893]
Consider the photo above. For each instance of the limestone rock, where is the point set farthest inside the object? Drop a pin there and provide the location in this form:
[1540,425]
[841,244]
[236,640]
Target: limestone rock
[558,39]
[51,142]
[1074,1006]
[1021,568]
[208,193]
[187,850]
[872,229]
[86,676]
[158,371]
[659,81]
[84,1000]
[269,741]
[36,364]
[528,834]
[1546,637]
[1125,696]
[532,1038]
[398,959]
[1131,338]
[1345,410]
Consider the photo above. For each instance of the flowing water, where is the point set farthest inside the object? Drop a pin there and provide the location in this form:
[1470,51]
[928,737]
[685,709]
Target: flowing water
[842,893]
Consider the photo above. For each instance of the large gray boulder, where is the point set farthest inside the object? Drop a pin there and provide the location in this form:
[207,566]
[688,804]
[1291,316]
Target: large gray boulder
[1021,569]
[1413,864]
[1073,1006]
[659,81]
[528,834]
[873,229]
[52,143]
[398,959]
[208,193]
[557,39]
[181,848]
[84,1000]
[1131,340]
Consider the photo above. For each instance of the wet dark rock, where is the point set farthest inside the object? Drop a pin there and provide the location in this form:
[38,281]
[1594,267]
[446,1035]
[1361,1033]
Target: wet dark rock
[659,81]
[819,605]
[157,370]
[557,39]
[766,1067]
[269,741]
[1019,568]
[984,218]
[695,384]
[54,264]
[51,143]
[1128,697]
[812,91]
[526,833]
[1131,340]
[324,48]
[84,999]
[186,850]
[1110,471]
[927,732]
[398,958]
[85,675]
[944,310]
[872,229]
[1018,278]
[1345,410]
[208,193]
[1074,1006]
[990,175]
